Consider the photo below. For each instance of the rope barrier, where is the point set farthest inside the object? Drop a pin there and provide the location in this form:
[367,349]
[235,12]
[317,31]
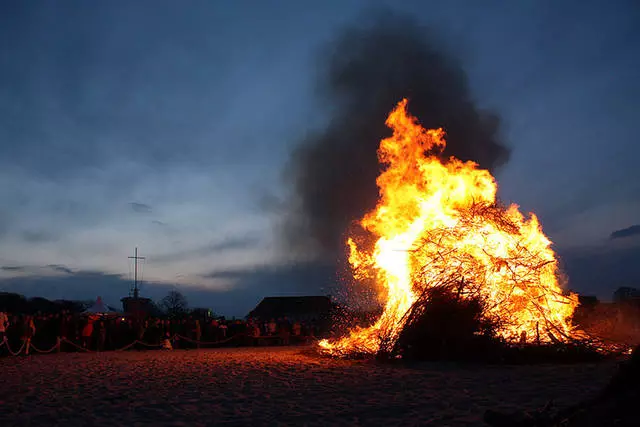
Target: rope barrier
[147,344]
[175,337]
[207,342]
[75,345]
[126,347]
[11,351]
[45,351]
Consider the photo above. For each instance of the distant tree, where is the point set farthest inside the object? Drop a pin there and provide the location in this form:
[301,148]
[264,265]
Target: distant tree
[42,305]
[155,309]
[174,304]
[13,303]
[71,306]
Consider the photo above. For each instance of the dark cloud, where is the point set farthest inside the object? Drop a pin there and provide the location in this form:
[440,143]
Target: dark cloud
[229,244]
[292,279]
[140,207]
[160,223]
[626,232]
[60,268]
[39,236]
[288,276]
[603,271]
[12,268]
[35,270]
[369,68]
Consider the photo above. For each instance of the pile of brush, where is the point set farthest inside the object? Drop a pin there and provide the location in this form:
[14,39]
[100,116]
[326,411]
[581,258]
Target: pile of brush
[443,325]
[448,323]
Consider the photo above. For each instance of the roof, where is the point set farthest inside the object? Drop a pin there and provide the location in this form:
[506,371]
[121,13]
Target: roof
[271,307]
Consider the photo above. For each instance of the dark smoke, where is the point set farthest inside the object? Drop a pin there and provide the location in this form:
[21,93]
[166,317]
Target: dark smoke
[369,69]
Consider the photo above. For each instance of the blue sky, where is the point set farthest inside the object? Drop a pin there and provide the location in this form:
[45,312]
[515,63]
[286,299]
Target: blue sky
[166,125]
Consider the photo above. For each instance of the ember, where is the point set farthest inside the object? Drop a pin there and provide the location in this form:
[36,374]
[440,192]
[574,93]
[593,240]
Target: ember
[438,224]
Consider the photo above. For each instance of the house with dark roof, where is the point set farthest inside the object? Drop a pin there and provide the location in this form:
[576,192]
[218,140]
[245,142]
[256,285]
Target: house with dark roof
[304,308]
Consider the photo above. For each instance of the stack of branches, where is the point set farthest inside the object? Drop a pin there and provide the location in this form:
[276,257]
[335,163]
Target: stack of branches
[459,311]
[445,325]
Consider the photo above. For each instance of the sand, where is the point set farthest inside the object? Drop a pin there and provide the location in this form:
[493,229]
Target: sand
[272,387]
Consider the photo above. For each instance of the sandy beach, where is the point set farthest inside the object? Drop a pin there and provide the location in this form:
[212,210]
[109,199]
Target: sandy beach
[271,387]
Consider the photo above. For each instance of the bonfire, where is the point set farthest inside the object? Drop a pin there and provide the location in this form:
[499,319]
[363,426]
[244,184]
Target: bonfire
[438,223]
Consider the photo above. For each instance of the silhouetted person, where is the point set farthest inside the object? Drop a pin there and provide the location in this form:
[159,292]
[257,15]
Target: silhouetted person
[197,332]
[87,333]
[222,327]
[4,323]
[102,335]
[28,331]
[285,330]
[273,327]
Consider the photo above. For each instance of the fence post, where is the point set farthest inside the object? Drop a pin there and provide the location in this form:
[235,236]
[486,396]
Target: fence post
[58,344]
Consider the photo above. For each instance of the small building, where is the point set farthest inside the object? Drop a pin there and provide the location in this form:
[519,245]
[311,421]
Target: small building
[303,308]
[626,294]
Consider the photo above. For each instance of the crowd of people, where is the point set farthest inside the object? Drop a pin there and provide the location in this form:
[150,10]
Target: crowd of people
[67,331]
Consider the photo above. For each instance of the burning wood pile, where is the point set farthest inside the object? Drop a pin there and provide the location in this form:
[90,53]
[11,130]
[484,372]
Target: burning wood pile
[440,234]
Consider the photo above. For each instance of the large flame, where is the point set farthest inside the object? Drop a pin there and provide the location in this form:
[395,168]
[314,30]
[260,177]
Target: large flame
[436,218]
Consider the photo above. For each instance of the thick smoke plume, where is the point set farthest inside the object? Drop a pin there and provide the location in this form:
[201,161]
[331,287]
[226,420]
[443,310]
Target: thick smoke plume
[368,69]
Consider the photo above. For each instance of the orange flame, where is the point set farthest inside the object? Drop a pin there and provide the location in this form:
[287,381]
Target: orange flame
[420,194]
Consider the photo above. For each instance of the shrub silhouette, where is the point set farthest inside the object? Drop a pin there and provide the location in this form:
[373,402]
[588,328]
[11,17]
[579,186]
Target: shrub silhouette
[444,325]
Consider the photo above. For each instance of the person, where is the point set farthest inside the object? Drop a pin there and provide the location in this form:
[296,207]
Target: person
[285,330]
[166,344]
[223,330]
[28,331]
[102,335]
[254,331]
[87,333]
[197,332]
[4,323]
[273,327]
[297,328]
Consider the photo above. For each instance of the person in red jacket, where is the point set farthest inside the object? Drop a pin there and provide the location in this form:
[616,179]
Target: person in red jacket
[87,333]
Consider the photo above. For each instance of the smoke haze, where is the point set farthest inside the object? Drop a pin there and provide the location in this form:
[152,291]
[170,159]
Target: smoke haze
[365,71]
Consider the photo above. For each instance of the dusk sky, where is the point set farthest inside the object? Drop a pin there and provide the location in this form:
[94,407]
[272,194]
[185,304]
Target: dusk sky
[168,125]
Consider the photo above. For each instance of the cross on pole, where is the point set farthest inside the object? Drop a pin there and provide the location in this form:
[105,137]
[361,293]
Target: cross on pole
[135,259]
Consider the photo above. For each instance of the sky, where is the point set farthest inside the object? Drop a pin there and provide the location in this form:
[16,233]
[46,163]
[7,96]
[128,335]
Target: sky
[166,126]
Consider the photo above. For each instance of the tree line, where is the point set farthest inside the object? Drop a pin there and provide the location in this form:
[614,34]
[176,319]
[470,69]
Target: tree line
[174,304]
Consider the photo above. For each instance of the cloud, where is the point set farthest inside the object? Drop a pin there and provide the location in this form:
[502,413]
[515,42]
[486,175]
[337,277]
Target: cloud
[38,236]
[600,272]
[226,245]
[12,268]
[60,268]
[626,232]
[140,207]
[304,278]
[36,270]
[298,272]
